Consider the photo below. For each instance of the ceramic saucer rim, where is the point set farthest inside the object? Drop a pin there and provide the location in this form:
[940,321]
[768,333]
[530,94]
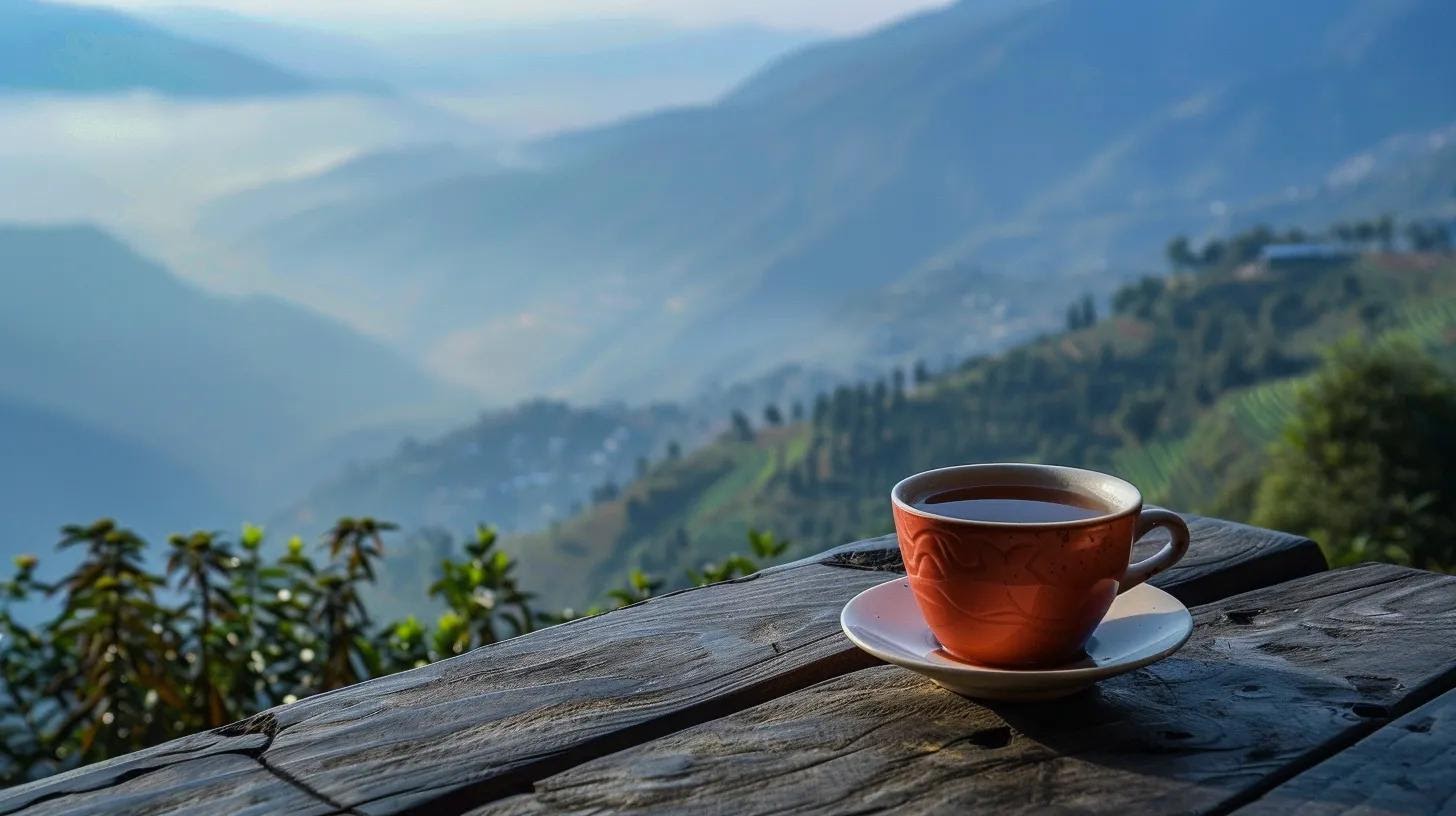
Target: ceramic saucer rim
[952,665]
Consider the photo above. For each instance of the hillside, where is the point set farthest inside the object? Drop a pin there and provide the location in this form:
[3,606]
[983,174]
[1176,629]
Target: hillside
[321,54]
[243,394]
[528,466]
[520,468]
[1181,389]
[1412,173]
[57,470]
[77,49]
[633,260]
[247,213]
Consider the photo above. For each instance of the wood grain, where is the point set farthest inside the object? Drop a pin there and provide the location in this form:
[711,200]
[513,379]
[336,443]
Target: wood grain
[1272,682]
[488,724]
[207,772]
[1406,767]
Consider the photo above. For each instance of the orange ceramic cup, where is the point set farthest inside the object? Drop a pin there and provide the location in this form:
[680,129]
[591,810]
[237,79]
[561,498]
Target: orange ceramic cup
[1025,594]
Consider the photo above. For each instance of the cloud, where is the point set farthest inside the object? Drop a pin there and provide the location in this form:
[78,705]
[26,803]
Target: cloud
[506,355]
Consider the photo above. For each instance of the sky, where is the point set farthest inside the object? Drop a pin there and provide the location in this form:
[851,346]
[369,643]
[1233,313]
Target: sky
[841,16]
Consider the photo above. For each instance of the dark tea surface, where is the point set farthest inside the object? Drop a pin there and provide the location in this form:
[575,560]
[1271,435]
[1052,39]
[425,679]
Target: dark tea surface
[1015,504]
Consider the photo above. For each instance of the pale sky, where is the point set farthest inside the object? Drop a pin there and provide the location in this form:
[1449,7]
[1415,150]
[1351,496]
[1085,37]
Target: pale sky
[842,16]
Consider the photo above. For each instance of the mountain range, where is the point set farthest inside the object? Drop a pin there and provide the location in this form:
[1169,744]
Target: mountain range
[519,79]
[192,400]
[1182,389]
[1057,143]
[932,191]
[76,49]
[60,470]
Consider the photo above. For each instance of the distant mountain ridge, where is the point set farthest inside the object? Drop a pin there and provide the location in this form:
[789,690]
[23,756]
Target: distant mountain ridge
[246,393]
[76,49]
[1181,390]
[57,470]
[517,469]
[524,78]
[466,54]
[1049,141]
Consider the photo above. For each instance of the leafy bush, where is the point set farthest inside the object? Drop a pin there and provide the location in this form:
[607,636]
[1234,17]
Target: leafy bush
[133,657]
[1365,464]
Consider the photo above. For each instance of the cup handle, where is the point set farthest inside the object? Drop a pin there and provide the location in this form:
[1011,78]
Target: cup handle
[1149,520]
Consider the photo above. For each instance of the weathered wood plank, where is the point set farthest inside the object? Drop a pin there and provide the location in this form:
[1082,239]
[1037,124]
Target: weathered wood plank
[490,723]
[204,772]
[1271,682]
[1226,558]
[1408,766]
[221,783]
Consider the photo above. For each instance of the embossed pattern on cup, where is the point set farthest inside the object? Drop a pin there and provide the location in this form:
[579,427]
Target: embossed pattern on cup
[1013,597]
[1024,594]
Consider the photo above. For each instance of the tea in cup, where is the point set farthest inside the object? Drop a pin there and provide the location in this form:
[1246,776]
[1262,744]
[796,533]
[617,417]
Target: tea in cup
[1016,564]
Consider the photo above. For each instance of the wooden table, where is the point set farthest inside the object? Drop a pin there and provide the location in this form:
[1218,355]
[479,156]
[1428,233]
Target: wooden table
[1301,691]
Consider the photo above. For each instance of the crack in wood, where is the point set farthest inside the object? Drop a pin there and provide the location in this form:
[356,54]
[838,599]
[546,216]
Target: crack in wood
[302,786]
[468,732]
[266,724]
[120,778]
[1191,746]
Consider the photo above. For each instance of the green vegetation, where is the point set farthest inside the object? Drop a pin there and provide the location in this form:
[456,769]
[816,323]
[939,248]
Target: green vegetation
[133,657]
[1365,464]
[521,467]
[1183,388]
[1206,388]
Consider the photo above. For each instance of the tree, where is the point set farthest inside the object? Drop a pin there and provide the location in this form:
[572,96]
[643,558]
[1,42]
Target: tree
[1082,314]
[1428,236]
[821,409]
[1364,466]
[203,560]
[358,541]
[482,595]
[1213,252]
[772,416]
[338,609]
[117,669]
[921,374]
[674,450]
[35,677]
[1138,299]
[112,622]
[254,590]
[1180,254]
[605,492]
[1385,232]
[742,428]
[1089,311]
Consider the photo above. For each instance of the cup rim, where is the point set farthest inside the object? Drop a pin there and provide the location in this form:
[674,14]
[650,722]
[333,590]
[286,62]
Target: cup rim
[1131,505]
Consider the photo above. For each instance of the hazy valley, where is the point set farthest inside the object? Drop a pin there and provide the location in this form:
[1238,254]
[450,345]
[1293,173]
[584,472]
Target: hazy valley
[399,297]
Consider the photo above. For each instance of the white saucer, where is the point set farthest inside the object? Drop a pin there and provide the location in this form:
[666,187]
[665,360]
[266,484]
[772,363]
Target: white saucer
[1144,625]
